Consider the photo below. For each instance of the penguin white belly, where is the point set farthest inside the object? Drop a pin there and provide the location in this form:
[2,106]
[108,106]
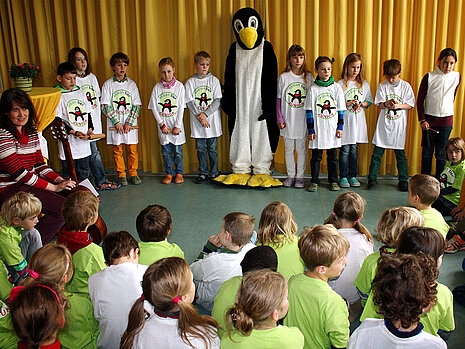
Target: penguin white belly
[250,145]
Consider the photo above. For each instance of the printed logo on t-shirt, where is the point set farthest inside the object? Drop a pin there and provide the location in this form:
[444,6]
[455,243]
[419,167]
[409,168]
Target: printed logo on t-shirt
[90,95]
[354,94]
[167,104]
[325,105]
[122,102]
[4,310]
[447,177]
[203,97]
[394,114]
[295,94]
[77,114]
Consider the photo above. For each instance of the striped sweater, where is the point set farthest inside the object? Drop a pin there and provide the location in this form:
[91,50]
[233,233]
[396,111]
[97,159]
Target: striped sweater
[22,161]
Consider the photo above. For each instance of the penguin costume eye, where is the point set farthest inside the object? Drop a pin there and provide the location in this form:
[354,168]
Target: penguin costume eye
[253,22]
[238,26]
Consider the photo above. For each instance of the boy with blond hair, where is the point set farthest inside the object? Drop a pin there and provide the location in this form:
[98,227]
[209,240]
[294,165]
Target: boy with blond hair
[215,268]
[423,190]
[18,238]
[319,312]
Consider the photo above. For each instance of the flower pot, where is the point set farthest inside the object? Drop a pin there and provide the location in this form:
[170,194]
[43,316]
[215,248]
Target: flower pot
[24,84]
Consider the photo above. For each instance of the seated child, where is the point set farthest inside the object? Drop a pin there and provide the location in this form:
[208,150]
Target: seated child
[114,289]
[80,211]
[260,257]
[76,112]
[153,226]
[400,304]
[314,308]
[252,322]
[423,190]
[217,267]
[391,223]
[163,316]
[277,228]
[18,238]
[440,320]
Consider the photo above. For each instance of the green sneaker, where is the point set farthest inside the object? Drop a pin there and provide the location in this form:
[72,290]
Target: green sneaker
[334,187]
[135,180]
[123,181]
[313,187]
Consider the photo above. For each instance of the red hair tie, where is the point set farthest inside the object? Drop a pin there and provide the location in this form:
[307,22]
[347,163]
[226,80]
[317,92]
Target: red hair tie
[142,297]
[357,221]
[176,300]
[333,213]
[33,274]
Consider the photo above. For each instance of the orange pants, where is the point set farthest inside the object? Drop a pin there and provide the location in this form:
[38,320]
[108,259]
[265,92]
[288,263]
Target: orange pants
[131,150]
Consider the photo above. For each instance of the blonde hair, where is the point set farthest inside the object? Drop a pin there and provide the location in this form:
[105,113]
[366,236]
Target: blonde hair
[297,50]
[21,205]
[79,209]
[201,54]
[321,245]
[351,58]
[349,206]
[277,225]
[394,221]
[261,293]
[240,226]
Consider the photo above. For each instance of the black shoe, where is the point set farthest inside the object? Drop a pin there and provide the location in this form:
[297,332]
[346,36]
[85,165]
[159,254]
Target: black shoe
[403,186]
[200,179]
[372,183]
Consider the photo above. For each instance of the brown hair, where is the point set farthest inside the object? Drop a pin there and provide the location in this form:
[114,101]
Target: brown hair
[166,61]
[261,293]
[457,143]
[351,58]
[240,226]
[72,58]
[153,223]
[201,54]
[36,315]
[297,50]
[118,244]
[277,225]
[391,67]
[21,205]
[22,99]
[403,286]
[119,57]
[394,221]
[420,239]
[54,264]
[79,209]
[322,59]
[349,206]
[163,281]
[426,187]
[321,245]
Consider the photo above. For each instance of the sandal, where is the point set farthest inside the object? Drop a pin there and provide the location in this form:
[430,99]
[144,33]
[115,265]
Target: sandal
[108,185]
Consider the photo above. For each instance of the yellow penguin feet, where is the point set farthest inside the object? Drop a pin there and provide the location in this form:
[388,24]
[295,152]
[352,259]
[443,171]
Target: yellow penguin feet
[263,180]
[233,178]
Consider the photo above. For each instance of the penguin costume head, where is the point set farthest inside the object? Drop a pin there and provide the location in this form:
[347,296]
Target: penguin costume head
[248,28]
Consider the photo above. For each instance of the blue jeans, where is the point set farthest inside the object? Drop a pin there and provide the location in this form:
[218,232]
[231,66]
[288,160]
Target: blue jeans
[81,166]
[433,142]
[172,154]
[207,146]
[348,157]
[96,165]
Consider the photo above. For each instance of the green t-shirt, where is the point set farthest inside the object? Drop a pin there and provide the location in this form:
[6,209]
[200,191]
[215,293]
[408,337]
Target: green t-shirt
[289,261]
[81,328]
[5,285]
[452,176]
[434,219]
[87,261]
[224,300]
[278,337]
[8,337]
[440,317]
[319,312]
[153,251]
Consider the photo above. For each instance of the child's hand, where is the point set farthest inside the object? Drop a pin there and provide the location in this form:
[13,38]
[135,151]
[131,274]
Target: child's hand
[425,127]
[176,131]
[339,133]
[311,137]
[350,103]
[390,104]
[215,240]
[458,214]
[80,135]
[90,132]
[126,128]
[281,125]
[202,118]
[119,128]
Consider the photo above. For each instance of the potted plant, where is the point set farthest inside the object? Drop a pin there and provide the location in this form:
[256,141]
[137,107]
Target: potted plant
[23,74]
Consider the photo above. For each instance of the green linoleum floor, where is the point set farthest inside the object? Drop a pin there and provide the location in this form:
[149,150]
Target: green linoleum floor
[197,212]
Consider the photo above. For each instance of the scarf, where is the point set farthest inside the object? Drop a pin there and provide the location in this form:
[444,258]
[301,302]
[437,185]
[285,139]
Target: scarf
[73,240]
[168,84]
[21,137]
[324,83]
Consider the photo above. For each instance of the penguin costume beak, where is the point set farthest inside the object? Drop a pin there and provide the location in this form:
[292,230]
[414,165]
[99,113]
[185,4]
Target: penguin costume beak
[248,36]
[248,28]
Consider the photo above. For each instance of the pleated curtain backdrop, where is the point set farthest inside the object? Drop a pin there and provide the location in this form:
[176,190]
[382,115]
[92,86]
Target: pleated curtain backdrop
[413,31]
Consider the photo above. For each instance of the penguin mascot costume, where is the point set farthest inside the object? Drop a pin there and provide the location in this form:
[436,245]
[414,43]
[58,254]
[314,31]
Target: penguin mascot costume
[249,100]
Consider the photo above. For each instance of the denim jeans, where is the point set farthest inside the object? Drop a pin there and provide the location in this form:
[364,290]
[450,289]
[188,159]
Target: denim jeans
[433,142]
[96,166]
[317,155]
[81,166]
[348,160]
[401,159]
[207,147]
[172,154]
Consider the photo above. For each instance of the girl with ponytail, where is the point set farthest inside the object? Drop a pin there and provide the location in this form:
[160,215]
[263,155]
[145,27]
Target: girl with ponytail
[260,302]
[164,317]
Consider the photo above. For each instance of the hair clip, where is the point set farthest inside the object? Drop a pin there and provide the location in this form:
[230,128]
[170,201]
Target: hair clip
[233,315]
[33,274]
[332,60]
[176,300]
[334,214]
[142,297]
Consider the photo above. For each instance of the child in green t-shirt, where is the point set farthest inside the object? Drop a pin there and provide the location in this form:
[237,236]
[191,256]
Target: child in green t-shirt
[319,312]
[252,322]
[423,190]
[277,228]
[153,226]
[18,238]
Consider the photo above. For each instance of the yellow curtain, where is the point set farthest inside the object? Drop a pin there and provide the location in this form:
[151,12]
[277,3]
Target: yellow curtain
[413,31]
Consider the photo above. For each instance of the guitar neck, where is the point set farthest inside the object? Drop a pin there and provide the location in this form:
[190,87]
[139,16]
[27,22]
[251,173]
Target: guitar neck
[69,160]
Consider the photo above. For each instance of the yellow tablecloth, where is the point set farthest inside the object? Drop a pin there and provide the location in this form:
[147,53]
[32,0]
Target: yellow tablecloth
[45,100]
